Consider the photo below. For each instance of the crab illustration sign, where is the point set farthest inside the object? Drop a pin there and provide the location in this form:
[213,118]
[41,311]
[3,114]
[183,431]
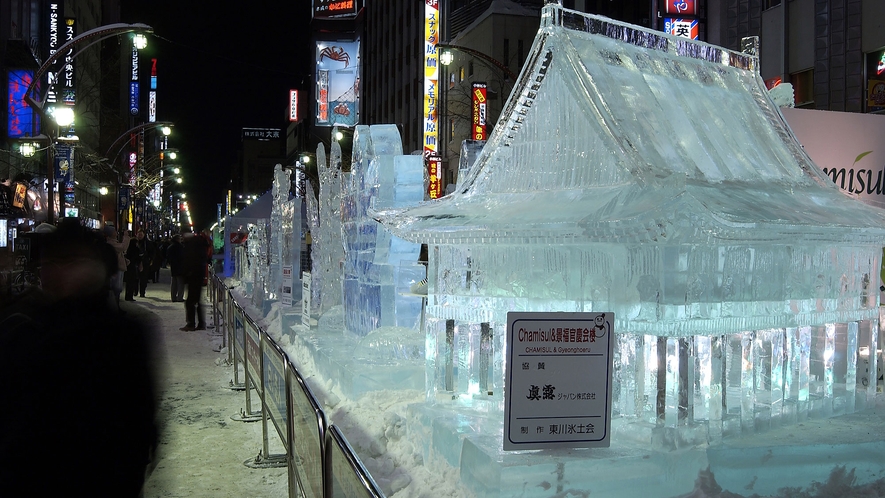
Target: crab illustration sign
[337,83]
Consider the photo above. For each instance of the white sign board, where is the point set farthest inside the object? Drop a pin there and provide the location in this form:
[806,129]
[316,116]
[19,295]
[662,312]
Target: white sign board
[848,146]
[286,291]
[558,380]
[305,299]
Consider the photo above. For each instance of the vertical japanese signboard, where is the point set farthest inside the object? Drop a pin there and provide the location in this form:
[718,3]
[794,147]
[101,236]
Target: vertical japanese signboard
[152,93]
[480,107]
[558,380]
[66,75]
[294,117]
[53,43]
[431,77]
[133,83]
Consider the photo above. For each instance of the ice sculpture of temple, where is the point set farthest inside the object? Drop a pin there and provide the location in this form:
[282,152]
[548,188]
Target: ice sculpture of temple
[653,177]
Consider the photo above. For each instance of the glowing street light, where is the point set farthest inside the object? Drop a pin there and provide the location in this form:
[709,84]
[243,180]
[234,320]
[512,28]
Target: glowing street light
[139,40]
[63,115]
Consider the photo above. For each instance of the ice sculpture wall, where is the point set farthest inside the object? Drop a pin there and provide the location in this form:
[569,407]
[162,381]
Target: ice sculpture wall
[653,176]
[378,266]
[332,251]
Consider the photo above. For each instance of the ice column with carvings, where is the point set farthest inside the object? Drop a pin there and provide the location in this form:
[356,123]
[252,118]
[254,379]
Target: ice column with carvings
[379,268]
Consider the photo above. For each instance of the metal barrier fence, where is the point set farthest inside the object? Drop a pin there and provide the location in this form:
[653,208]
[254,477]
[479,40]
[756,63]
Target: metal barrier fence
[321,463]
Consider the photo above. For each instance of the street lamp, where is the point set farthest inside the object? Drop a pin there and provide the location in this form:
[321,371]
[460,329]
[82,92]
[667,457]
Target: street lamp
[64,117]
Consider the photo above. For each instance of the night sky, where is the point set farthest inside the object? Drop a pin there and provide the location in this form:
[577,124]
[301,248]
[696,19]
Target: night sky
[221,67]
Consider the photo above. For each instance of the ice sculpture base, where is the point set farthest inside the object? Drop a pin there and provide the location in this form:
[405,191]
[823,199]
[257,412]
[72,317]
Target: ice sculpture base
[343,357]
[762,463]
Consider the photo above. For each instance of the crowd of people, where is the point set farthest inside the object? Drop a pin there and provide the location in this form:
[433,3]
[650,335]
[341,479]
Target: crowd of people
[72,356]
[139,260]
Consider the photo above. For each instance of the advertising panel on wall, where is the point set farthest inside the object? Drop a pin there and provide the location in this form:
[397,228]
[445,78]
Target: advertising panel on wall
[338,83]
[261,134]
[431,78]
[21,121]
[480,106]
[681,7]
[849,147]
[686,28]
[334,9]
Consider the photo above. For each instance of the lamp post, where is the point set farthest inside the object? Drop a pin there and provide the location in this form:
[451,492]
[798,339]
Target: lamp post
[63,116]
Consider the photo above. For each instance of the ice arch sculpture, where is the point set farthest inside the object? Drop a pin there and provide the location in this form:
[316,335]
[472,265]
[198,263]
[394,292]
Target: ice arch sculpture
[652,176]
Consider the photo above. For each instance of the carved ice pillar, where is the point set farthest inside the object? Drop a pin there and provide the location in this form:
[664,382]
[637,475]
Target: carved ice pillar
[332,252]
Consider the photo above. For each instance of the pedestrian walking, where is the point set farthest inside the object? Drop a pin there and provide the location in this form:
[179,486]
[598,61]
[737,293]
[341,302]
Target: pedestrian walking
[175,260]
[149,251]
[120,247]
[134,257]
[197,253]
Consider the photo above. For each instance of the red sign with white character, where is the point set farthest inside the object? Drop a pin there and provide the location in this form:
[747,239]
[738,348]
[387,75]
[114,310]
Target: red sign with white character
[681,7]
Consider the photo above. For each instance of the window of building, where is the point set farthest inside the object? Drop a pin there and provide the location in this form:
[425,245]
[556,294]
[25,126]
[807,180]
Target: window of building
[506,58]
[470,68]
[803,88]
[460,74]
[771,3]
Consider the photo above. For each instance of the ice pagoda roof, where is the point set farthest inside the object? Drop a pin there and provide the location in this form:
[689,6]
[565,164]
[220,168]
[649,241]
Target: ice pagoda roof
[616,133]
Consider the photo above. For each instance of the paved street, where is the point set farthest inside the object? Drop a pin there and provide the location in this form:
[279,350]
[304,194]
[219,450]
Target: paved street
[202,450]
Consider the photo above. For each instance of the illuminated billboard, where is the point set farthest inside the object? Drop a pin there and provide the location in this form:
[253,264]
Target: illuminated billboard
[686,28]
[22,120]
[324,9]
[54,41]
[681,7]
[66,75]
[431,78]
[480,110]
[338,83]
[294,117]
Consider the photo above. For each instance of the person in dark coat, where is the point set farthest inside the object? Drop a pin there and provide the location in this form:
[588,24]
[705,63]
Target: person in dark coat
[134,256]
[146,271]
[175,260]
[80,386]
[197,253]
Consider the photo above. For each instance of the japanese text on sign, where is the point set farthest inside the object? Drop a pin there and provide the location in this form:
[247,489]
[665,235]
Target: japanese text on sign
[558,380]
